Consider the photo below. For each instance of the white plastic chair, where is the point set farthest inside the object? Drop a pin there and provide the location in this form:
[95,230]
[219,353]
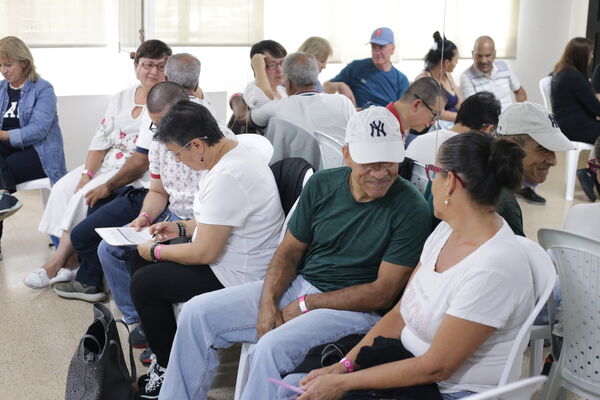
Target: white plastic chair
[582,219]
[544,278]
[539,333]
[419,178]
[331,151]
[519,390]
[258,143]
[545,91]
[572,155]
[578,262]
[571,168]
[43,184]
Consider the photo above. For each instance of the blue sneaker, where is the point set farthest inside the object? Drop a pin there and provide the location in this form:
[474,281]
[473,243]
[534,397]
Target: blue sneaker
[9,205]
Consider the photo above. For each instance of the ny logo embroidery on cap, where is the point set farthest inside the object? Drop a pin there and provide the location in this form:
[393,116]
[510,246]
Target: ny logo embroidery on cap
[377,127]
[553,120]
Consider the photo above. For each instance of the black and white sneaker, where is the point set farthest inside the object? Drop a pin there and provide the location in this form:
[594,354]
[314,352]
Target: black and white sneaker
[151,390]
[9,205]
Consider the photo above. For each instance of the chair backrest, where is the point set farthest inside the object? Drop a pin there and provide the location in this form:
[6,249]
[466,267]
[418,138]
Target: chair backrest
[584,219]
[420,180]
[578,263]
[290,140]
[258,143]
[218,100]
[544,278]
[545,91]
[79,116]
[519,390]
[289,216]
[331,151]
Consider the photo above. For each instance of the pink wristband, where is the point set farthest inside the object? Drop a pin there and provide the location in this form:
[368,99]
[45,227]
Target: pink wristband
[349,365]
[145,215]
[88,173]
[302,304]
[157,252]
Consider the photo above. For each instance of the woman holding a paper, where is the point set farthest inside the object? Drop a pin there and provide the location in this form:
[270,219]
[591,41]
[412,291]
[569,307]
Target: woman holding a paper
[234,233]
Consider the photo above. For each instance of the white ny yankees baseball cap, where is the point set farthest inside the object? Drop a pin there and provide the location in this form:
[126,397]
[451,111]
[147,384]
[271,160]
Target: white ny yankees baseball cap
[536,121]
[373,135]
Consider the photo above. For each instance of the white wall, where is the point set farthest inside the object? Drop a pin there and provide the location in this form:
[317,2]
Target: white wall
[544,28]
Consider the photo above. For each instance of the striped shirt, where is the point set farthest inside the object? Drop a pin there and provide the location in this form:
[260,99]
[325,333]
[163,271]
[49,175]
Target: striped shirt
[502,82]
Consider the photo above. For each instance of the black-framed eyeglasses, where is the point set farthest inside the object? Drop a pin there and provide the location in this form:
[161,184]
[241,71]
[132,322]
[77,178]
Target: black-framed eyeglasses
[594,165]
[435,114]
[431,170]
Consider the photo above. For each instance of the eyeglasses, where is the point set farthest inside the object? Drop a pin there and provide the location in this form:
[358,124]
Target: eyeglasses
[272,65]
[594,165]
[153,128]
[432,170]
[148,66]
[176,153]
[435,114]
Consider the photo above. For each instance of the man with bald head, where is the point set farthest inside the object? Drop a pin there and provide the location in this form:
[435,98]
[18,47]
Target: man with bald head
[487,74]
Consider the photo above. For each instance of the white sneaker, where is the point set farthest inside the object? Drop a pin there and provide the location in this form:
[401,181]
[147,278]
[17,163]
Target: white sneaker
[37,279]
[64,275]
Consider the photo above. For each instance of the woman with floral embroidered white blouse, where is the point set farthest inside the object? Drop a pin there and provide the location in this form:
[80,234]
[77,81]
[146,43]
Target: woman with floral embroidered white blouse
[112,144]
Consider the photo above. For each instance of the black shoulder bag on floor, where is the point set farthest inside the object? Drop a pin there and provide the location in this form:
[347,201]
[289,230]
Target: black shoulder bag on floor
[98,370]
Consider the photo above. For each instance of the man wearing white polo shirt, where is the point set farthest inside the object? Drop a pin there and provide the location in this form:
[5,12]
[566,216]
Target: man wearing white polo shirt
[490,75]
[305,107]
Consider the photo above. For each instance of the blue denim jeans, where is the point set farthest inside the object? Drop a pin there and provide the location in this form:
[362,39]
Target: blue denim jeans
[457,395]
[115,260]
[219,319]
[117,212]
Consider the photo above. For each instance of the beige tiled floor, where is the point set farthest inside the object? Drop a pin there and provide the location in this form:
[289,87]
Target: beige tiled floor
[39,331]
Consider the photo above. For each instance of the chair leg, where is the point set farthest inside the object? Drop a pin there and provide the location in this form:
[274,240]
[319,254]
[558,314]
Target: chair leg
[45,195]
[243,370]
[536,352]
[552,387]
[572,158]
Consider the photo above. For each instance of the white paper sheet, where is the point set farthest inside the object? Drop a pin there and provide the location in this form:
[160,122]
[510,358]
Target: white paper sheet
[124,236]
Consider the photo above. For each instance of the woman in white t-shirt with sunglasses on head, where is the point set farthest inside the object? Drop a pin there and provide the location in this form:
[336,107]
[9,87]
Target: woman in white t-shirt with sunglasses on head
[234,233]
[467,299]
